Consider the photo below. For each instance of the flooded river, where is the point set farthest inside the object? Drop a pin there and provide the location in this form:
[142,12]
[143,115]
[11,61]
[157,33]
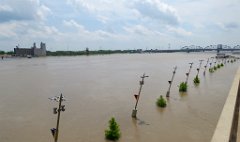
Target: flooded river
[100,87]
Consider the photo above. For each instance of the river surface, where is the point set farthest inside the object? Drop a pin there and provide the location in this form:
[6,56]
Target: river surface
[100,87]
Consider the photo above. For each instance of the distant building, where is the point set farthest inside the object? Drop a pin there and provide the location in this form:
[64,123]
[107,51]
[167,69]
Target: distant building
[219,47]
[33,51]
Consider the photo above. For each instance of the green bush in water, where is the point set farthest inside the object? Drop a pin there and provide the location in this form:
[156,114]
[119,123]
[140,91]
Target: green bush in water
[196,80]
[183,87]
[113,133]
[215,68]
[161,102]
[218,66]
[222,64]
[211,70]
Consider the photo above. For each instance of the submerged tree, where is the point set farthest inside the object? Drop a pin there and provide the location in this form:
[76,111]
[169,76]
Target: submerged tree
[211,70]
[215,68]
[183,87]
[113,133]
[161,102]
[196,80]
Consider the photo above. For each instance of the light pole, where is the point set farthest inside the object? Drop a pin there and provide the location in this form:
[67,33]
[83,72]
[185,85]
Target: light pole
[58,110]
[170,82]
[187,74]
[198,69]
[205,67]
[134,112]
[211,62]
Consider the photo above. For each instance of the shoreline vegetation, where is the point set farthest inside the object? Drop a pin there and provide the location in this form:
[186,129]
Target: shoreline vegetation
[94,52]
[80,53]
[97,52]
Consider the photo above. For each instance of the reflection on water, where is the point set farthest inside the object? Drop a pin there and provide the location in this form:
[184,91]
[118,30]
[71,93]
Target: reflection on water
[99,87]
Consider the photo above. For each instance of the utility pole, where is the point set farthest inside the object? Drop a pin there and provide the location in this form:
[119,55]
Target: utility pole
[170,82]
[187,74]
[58,110]
[134,112]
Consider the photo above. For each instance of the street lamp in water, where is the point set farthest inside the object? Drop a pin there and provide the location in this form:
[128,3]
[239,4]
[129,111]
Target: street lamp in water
[137,96]
[58,110]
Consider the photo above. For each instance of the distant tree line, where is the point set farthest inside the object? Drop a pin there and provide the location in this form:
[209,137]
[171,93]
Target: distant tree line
[98,52]
[8,53]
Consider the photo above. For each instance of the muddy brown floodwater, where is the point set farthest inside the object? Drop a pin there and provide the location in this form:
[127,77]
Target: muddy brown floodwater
[99,87]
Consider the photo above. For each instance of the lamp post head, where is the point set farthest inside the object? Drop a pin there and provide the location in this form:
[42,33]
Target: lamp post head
[55,110]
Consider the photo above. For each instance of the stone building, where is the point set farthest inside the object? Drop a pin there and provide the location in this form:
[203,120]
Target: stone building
[33,51]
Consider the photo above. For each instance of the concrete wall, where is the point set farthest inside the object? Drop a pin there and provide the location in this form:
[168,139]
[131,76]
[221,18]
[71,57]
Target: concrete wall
[226,130]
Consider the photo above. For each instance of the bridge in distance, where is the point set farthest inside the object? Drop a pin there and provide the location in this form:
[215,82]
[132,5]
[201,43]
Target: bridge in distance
[194,48]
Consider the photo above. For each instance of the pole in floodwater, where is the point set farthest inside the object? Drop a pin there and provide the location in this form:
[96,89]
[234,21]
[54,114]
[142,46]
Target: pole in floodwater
[198,69]
[196,80]
[171,81]
[55,131]
[188,73]
[137,96]
[205,67]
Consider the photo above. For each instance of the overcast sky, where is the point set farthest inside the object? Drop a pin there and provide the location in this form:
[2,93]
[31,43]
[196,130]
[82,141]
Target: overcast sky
[118,24]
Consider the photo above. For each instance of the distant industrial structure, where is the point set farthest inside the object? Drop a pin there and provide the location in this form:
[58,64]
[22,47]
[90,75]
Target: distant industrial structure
[33,51]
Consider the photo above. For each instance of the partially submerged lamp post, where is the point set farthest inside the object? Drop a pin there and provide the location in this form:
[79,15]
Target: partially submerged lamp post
[198,69]
[196,80]
[205,67]
[58,110]
[187,74]
[170,82]
[134,112]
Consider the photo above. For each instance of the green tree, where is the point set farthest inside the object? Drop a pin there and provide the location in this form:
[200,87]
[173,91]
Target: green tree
[2,52]
[196,80]
[215,68]
[211,70]
[161,102]
[183,87]
[113,133]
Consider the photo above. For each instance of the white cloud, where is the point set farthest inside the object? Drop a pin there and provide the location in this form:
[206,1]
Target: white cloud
[179,31]
[74,24]
[228,26]
[8,30]
[11,10]
[5,8]
[105,10]
[157,10]
[43,11]
[140,30]
[119,24]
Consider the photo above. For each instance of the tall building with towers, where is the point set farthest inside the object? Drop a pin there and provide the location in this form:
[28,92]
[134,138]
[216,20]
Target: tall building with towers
[33,51]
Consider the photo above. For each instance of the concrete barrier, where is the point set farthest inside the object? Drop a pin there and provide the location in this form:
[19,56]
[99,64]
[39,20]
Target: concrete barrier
[226,130]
